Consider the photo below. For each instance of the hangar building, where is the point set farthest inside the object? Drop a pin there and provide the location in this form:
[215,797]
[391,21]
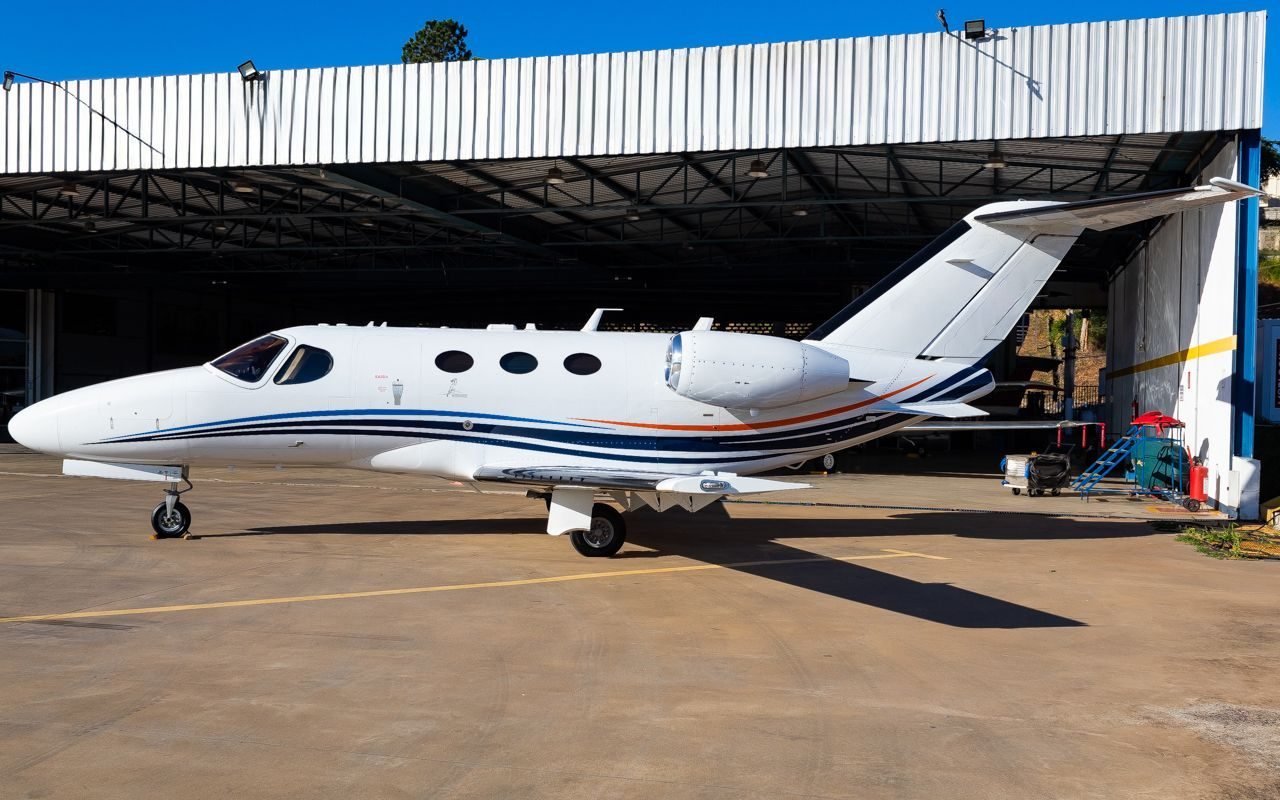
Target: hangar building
[151,222]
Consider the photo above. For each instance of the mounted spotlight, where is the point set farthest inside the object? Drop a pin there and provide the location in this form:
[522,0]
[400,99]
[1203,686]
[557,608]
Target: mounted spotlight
[975,28]
[249,72]
[633,215]
[8,80]
[995,160]
[69,189]
[554,176]
[242,187]
[757,170]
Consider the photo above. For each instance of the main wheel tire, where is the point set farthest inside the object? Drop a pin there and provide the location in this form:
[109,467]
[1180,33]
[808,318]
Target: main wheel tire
[605,537]
[1056,492]
[170,526]
[1192,505]
[1016,491]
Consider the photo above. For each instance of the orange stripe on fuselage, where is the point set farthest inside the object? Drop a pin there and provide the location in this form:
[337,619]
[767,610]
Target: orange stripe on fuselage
[748,426]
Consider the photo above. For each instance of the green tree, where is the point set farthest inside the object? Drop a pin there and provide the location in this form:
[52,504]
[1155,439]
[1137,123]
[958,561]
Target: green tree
[1270,158]
[439,40]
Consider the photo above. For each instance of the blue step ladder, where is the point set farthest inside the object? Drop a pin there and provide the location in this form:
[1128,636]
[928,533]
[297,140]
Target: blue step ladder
[1113,455]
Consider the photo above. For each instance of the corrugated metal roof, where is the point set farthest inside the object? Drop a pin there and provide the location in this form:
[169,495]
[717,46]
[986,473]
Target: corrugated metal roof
[1162,75]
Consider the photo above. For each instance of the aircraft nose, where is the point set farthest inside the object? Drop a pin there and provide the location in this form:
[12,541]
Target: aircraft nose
[36,428]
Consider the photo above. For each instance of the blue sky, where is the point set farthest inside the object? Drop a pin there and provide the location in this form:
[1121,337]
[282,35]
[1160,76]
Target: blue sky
[80,39]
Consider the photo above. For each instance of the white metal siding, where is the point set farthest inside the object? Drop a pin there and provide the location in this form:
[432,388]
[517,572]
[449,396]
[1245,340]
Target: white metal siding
[1159,75]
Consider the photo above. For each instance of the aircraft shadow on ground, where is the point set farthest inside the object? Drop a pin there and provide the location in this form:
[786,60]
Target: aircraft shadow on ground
[712,537]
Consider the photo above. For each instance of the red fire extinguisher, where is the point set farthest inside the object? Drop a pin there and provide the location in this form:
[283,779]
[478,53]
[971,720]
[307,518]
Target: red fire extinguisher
[1199,476]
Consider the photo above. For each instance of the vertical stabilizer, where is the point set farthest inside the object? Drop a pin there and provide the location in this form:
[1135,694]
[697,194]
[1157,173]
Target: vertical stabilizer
[960,296]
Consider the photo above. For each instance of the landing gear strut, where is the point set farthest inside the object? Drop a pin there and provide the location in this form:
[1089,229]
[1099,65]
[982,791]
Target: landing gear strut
[171,518]
[606,535]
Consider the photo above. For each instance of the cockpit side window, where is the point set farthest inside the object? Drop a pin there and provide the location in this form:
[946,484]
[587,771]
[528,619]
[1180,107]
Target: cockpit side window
[305,365]
[249,362]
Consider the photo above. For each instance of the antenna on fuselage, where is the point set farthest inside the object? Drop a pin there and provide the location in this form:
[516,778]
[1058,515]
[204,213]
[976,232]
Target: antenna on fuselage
[596,316]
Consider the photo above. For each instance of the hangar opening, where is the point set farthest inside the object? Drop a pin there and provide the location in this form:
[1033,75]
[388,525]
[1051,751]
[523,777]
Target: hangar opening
[154,222]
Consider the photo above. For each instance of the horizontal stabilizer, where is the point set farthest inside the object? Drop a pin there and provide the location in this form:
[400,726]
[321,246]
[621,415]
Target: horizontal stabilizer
[1107,213]
[994,425]
[947,410]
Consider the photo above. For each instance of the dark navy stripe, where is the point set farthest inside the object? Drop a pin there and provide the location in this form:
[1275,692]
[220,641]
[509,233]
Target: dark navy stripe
[883,422]
[371,411]
[813,436]
[967,388]
[941,385]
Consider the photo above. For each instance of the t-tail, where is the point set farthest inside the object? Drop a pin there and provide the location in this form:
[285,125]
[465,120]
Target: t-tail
[960,296]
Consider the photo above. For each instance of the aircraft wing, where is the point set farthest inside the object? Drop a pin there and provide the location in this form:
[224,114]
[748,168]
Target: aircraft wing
[1104,214]
[710,483]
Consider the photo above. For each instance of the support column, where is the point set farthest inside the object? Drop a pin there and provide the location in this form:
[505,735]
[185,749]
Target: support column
[1243,383]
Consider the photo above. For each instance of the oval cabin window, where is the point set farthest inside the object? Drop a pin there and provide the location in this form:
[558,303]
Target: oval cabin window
[582,364]
[518,363]
[454,361]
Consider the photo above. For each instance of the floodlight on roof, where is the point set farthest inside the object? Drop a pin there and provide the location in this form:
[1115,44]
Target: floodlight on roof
[757,169]
[249,72]
[975,28]
[8,80]
[555,176]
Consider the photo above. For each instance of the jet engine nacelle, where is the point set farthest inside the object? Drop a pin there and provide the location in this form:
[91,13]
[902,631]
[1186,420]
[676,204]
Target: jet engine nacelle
[744,370]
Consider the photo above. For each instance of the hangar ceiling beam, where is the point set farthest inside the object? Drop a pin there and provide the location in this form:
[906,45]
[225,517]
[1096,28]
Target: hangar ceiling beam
[376,182]
[819,183]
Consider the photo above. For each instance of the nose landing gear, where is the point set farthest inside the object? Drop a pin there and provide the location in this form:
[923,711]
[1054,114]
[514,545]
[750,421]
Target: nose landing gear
[171,518]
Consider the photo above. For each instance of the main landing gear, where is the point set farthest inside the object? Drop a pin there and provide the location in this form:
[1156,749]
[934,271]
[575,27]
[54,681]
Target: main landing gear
[171,518]
[606,535]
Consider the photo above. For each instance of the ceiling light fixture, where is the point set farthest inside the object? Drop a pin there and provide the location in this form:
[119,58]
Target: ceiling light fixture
[249,72]
[219,228]
[633,215]
[69,189]
[242,187]
[799,211]
[554,176]
[995,160]
[757,170]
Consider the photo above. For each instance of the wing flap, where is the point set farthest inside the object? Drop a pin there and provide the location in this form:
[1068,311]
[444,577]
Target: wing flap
[709,483]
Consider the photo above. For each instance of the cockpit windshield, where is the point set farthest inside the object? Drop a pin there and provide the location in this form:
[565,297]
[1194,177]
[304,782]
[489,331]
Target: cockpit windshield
[249,362]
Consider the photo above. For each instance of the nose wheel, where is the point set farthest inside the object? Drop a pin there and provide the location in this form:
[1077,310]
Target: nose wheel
[170,523]
[171,518]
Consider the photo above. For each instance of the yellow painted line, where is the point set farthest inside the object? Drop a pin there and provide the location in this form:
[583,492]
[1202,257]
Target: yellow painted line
[1181,357]
[453,587]
[916,555]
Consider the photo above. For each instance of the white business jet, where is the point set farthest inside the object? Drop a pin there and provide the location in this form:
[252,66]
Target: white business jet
[587,416]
